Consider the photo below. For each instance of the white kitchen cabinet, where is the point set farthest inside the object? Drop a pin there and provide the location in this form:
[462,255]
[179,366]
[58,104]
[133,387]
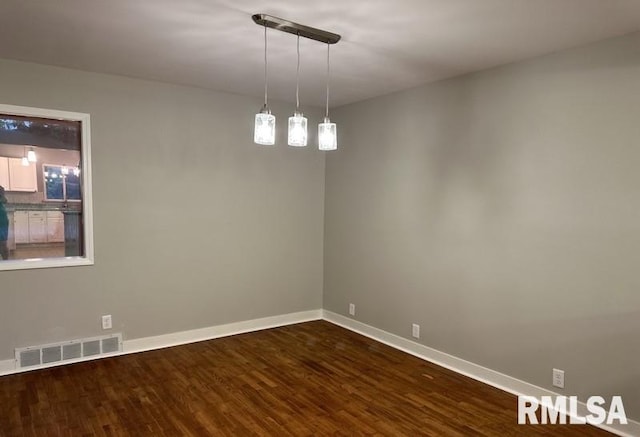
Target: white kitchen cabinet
[22,178]
[21,226]
[4,172]
[55,227]
[37,227]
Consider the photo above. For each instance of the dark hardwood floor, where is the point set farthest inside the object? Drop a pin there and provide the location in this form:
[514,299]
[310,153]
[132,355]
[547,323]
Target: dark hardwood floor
[311,379]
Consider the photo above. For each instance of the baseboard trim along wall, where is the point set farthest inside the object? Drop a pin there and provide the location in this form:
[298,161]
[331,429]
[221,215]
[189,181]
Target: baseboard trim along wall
[466,368]
[210,333]
[8,367]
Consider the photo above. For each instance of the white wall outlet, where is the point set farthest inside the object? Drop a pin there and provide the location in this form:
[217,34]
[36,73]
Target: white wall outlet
[352,309]
[558,378]
[106,322]
[415,330]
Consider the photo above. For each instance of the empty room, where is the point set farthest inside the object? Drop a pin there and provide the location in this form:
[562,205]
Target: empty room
[285,218]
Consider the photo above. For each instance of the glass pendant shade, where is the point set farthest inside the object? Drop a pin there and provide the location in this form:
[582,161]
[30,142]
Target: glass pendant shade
[297,130]
[25,161]
[265,128]
[327,135]
[31,156]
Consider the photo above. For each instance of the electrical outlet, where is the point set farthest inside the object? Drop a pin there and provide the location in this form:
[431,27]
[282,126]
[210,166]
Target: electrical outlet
[106,322]
[415,330]
[558,378]
[352,309]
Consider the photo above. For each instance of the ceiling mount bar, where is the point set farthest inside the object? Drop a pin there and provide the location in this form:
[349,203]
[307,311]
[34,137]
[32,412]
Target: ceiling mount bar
[296,29]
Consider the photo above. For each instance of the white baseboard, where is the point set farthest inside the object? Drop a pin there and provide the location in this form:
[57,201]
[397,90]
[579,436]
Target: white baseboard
[8,367]
[467,368]
[209,333]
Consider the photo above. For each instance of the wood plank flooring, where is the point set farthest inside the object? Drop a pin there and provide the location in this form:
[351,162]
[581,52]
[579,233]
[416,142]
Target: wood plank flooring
[310,379]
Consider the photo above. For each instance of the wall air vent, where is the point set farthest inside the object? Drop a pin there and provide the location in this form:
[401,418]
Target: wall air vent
[47,355]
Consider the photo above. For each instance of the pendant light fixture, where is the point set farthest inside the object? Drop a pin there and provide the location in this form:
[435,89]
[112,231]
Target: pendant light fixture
[31,155]
[264,132]
[327,133]
[297,127]
[25,160]
[298,122]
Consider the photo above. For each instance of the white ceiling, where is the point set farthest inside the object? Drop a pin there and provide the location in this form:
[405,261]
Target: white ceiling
[387,45]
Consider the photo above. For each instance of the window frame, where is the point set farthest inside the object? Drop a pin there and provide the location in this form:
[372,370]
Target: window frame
[87,197]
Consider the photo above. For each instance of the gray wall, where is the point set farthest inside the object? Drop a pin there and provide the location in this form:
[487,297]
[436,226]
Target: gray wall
[501,212]
[194,224]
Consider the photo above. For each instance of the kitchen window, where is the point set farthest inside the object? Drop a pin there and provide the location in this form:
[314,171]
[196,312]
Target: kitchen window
[61,183]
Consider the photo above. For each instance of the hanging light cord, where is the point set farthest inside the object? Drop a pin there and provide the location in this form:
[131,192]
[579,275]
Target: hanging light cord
[298,76]
[327,111]
[265,65]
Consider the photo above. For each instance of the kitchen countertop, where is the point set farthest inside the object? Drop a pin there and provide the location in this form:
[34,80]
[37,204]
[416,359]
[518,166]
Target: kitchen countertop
[11,207]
